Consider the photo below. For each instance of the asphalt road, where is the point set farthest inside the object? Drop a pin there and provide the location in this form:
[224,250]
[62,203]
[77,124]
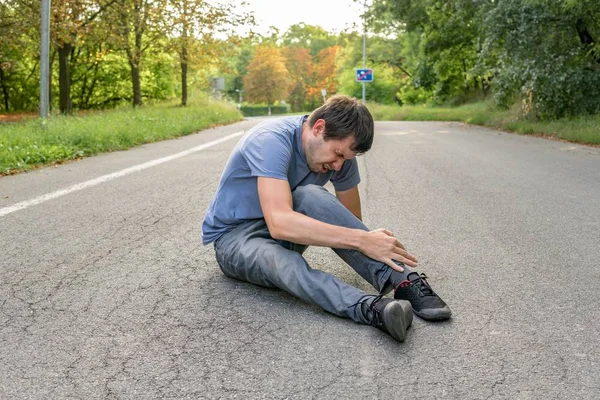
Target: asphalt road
[107,293]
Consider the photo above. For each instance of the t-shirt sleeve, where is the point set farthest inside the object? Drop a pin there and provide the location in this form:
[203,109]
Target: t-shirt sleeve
[268,155]
[347,177]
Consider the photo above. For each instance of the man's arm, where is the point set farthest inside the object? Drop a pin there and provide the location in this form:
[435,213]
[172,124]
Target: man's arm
[286,224]
[351,200]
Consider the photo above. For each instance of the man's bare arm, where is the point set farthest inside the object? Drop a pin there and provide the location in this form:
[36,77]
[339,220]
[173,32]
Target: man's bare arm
[286,224]
[351,200]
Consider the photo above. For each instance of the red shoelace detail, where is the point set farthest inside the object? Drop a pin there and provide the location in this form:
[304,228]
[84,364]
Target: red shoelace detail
[405,283]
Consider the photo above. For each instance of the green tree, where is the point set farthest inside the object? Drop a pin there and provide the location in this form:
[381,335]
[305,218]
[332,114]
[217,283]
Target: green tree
[382,57]
[193,24]
[135,30]
[313,38]
[19,55]
[545,53]
[72,26]
[439,40]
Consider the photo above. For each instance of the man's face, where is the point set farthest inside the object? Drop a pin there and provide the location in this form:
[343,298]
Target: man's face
[322,155]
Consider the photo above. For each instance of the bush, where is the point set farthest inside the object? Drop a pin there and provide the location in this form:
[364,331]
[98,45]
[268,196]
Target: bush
[412,95]
[253,110]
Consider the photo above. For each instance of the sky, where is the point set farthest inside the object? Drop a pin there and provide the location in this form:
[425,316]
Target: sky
[329,14]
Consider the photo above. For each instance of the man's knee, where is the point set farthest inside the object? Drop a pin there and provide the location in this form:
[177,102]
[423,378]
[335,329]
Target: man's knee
[309,192]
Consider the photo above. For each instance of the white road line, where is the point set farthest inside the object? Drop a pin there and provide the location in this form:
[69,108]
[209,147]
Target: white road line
[104,178]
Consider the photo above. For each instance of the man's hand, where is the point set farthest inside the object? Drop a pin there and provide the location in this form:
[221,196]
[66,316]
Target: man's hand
[382,245]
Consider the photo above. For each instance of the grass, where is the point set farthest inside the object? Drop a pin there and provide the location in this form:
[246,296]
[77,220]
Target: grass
[583,129]
[27,145]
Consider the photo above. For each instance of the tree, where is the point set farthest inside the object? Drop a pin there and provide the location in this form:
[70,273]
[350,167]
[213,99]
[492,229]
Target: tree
[383,56]
[9,38]
[310,37]
[268,79]
[135,24]
[194,23]
[544,54]
[300,65]
[19,54]
[72,26]
[325,71]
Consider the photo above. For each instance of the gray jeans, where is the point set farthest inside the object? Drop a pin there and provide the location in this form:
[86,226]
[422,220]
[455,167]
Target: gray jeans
[249,253]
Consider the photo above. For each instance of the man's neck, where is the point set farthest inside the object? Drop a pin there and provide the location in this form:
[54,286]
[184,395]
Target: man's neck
[306,131]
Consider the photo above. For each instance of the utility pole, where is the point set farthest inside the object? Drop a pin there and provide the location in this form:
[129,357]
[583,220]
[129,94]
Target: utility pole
[364,88]
[45,61]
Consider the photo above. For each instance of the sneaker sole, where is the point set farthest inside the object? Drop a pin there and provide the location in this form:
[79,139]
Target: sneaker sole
[397,317]
[435,314]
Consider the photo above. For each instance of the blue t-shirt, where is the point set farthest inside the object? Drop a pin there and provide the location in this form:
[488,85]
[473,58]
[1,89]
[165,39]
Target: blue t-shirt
[271,149]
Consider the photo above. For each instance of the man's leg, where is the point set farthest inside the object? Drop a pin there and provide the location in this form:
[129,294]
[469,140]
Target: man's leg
[318,203]
[250,254]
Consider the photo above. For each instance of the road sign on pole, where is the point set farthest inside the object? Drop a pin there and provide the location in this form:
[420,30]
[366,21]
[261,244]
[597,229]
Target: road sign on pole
[364,75]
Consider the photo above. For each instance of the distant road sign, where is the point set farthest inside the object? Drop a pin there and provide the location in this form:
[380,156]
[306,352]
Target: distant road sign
[364,75]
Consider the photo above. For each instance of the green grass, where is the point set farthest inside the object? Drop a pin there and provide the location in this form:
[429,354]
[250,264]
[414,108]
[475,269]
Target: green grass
[26,145]
[583,129]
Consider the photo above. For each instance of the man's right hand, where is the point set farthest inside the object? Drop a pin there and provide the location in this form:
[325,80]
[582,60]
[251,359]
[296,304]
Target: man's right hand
[382,245]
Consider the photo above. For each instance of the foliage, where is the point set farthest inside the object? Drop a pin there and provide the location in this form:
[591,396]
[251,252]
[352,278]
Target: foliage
[386,71]
[543,58]
[193,25]
[581,129]
[268,79]
[411,95]
[25,145]
[253,110]
[313,38]
[300,65]
[543,53]
[19,46]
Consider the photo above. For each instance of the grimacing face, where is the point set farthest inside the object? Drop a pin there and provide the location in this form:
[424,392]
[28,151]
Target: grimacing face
[325,155]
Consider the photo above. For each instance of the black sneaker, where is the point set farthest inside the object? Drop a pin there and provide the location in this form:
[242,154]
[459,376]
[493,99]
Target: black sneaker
[391,316]
[425,303]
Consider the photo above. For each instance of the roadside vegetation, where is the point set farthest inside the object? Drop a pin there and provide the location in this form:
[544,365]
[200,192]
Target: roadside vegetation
[526,66]
[27,144]
[583,129]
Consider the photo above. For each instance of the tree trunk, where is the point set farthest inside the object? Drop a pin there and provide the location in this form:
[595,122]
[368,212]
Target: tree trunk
[4,90]
[137,88]
[64,78]
[92,86]
[184,66]
[269,106]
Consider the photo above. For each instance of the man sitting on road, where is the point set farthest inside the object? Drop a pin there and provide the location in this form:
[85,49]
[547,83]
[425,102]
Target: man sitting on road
[270,205]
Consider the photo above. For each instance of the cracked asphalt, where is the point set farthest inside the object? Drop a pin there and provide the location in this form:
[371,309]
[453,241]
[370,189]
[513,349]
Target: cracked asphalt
[107,293]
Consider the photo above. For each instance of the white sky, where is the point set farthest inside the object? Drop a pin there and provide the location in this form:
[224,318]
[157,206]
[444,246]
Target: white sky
[329,14]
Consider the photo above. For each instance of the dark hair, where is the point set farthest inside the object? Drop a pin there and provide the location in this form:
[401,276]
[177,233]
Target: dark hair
[345,116]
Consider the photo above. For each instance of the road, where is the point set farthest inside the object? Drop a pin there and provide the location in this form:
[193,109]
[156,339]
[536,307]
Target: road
[107,293]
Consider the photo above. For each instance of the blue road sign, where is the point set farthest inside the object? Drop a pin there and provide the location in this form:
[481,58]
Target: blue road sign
[364,75]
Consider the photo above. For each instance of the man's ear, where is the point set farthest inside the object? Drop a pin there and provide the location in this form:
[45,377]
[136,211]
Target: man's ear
[319,127]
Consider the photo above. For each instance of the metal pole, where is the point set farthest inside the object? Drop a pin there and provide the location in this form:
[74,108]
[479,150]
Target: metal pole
[364,89]
[45,61]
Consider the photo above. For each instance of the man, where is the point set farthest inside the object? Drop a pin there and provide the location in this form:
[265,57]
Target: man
[270,205]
